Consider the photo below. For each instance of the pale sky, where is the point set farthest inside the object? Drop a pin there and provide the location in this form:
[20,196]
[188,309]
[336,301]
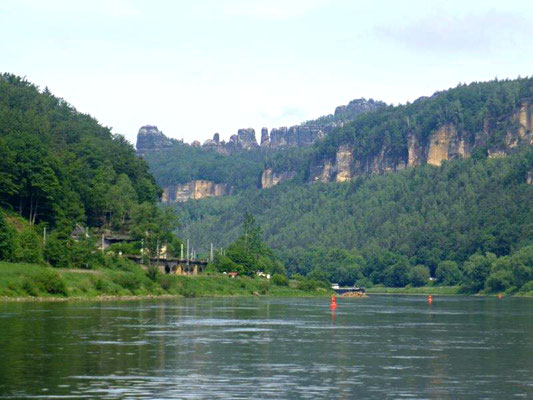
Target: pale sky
[198,67]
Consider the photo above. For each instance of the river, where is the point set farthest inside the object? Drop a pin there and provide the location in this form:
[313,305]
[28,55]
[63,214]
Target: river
[376,348]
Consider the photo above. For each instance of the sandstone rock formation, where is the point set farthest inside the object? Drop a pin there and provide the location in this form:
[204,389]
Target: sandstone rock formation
[150,138]
[270,178]
[444,143]
[197,189]
[295,136]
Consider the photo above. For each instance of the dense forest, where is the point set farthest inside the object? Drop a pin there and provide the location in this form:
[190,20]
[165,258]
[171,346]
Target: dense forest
[420,217]
[182,163]
[58,165]
[60,168]
[66,182]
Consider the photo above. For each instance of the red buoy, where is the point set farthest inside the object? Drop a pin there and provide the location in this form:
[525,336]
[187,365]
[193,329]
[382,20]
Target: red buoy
[333,303]
[430,299]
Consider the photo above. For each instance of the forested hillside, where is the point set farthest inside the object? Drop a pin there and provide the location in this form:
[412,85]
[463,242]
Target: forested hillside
[470,120]
[182,163]
[60,166]
[422,216]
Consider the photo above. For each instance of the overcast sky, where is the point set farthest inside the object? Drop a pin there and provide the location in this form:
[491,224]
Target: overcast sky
[198,67]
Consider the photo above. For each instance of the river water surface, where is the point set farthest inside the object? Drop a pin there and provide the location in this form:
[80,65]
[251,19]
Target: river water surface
[380,347]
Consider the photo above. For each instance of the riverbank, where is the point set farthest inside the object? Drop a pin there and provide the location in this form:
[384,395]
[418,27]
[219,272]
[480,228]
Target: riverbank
[29,282]
[422,290]
[438,290]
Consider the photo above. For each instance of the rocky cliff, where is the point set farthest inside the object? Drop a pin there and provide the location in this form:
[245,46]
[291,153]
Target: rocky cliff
[150,138]
[447,142]
[295,136]
[197,189]
[270,178]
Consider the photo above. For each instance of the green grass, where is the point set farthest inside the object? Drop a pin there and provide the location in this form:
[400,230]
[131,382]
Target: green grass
[424,290]
[36,281]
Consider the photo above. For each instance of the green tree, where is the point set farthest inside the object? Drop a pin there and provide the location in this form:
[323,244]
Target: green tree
[419,275]
[7,239]
[29,247]
[477,270]
[448,273]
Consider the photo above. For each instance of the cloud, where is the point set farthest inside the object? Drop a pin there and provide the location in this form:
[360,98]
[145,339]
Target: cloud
[481,33]
[271,9]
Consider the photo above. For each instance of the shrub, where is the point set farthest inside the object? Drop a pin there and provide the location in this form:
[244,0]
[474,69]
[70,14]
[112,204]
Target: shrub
[7,239]
[280,280]
[127,280]
[45,281]
[29,248]
[499,281]
[264,286]
[153,272]
[166,282]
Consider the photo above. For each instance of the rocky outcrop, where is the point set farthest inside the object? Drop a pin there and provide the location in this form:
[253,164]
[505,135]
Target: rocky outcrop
[343,166]
[150,138]
[295,136]
[197,189]
[270,178]
[529,177]
[265,139]
[525,122]
[243,140]
[444,143]
[355,108]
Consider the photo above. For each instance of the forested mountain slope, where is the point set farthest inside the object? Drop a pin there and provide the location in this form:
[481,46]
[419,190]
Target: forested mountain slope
[423,215]
[489,118]
[58,166]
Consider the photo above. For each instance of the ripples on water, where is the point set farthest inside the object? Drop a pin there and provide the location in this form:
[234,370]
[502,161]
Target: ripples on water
[380,347]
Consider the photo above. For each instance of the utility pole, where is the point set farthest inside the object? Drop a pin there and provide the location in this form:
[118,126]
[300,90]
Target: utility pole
[181,254]
[211,253]
[103,238]
[187,251]
[44,236]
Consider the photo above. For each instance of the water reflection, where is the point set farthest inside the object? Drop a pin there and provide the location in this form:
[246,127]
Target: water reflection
[380,347]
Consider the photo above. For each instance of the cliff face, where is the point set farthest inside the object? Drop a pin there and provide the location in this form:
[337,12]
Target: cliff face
[243,140]
[295,136]
[444,143]
[150,138]
[198,189]
[270,178]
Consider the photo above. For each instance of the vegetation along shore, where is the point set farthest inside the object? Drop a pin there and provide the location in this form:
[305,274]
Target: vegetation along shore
[430,197]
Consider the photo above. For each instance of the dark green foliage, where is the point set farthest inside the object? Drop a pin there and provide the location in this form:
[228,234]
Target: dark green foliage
[419,276]
[448,273]
[420,216]
[7,239]
[280,280]
[45,281]
[477,269]
[29,247]
[248,254]
[60,166]
[153,272]
[183,163]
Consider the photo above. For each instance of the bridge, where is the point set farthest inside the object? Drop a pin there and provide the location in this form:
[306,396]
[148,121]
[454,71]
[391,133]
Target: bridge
[171,265]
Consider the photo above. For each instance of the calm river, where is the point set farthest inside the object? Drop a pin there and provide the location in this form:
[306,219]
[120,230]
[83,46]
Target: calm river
[381,347]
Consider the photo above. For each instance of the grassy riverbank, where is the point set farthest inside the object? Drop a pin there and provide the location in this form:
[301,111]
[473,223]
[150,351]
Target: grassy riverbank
[440,290]
[422,290]
[27,281]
